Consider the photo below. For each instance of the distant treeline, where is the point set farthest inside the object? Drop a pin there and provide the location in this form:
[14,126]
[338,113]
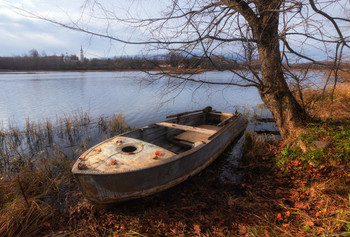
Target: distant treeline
[34,61]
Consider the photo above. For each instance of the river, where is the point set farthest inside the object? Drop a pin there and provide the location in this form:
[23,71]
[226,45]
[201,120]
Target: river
[47,95]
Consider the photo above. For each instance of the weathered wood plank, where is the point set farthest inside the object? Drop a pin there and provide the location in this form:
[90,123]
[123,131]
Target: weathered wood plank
[210,127]
[186,128]
[222,113]
[192,136]
[184,113]
[152,133]
[225,121]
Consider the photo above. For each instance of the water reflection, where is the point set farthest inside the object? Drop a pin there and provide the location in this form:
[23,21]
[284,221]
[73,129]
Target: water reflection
[46,95]
[229,172]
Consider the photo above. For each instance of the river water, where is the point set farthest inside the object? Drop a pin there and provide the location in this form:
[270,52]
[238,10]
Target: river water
[47,95]
[39,96]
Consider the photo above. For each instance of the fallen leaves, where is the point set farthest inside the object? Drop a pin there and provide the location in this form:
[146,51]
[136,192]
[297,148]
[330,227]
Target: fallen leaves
[279,217]
[113,162]
[242,229]
[310,223]
[197,228]
[98,149]
[267,203]
[157,154]
[302,205]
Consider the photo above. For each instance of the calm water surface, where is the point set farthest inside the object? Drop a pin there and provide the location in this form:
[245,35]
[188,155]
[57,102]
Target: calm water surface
[45,95]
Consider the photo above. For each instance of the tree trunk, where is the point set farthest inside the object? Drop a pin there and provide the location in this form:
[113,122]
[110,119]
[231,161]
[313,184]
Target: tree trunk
[275,93]
[274,90]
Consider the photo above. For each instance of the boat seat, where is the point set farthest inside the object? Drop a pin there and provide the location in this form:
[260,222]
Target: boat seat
[194,136]
[199,129]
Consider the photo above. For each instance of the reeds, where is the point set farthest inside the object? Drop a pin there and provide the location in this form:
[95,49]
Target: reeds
[252,113]
[330,104]
[18,219]
[35,169]
[117,125]
[37,140]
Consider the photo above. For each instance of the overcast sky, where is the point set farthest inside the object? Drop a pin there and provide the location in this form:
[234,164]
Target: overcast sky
[19,34]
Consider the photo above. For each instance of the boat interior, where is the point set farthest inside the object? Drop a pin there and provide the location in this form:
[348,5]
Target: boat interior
[184,131]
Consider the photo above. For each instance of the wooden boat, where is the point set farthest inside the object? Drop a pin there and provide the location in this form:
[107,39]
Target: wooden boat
[156,157]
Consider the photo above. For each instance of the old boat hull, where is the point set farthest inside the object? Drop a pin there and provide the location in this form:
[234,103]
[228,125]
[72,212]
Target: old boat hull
[103,189]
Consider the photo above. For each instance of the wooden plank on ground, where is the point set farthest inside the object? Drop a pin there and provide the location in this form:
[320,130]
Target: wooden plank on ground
[186,128]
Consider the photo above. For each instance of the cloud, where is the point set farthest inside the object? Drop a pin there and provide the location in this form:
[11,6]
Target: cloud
[19,34]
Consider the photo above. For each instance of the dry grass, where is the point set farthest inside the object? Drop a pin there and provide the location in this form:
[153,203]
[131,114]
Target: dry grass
[345,76]
[297,199]
[117,125]
[330,104]
[37,188]
[25,206]
[26,219]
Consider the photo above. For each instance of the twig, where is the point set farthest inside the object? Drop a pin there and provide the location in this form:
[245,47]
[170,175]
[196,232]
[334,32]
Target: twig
[22,191]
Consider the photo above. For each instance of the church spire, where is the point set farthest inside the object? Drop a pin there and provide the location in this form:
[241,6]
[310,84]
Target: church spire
[81,54]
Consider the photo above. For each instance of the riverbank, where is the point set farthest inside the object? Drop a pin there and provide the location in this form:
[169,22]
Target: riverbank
[283,192]
[292,188]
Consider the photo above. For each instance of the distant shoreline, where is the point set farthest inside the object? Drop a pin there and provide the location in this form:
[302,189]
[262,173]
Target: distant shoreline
[161,71]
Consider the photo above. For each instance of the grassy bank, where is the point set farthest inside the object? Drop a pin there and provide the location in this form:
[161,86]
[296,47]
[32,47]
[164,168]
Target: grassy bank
[285,192]
[302,187]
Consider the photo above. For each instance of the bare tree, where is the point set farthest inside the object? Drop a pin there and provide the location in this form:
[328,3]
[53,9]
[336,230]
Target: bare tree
[266,36]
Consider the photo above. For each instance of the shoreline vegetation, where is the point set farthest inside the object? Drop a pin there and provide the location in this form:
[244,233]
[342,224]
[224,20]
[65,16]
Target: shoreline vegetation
[173,63]
[171,71]
[299,187]
[159,71]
